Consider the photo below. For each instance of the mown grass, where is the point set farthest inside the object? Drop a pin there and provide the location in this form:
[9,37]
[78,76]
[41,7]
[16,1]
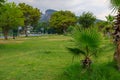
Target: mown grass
[46,58]
[34,58]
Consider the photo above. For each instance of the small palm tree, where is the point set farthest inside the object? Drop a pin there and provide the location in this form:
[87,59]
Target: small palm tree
[109,24]
[115,4]
[88,43]
[87,19]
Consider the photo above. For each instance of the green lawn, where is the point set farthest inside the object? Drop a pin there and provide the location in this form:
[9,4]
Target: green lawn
[41,58]
[34,58]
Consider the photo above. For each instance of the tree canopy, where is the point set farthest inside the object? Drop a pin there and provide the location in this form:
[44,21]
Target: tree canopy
[10,17]
[31,15]
[61,20]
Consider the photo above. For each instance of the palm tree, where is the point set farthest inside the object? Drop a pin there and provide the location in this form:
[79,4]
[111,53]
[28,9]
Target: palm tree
[116,35]
[110,19]
[109,24]
[88,43]
[87,19]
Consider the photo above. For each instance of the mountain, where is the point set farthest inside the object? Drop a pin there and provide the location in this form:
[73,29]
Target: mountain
[45,17]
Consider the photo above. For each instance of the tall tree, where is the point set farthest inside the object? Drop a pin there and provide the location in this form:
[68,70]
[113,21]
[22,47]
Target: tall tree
[1,2]
[87,19]
[115,4]
[10,17]
[31,15]
[61,20]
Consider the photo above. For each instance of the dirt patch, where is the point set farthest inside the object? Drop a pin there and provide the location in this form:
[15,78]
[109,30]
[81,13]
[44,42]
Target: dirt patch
[58,39]
[2,41]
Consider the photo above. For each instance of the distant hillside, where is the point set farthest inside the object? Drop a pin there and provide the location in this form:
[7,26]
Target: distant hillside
[45,17]
[98,20]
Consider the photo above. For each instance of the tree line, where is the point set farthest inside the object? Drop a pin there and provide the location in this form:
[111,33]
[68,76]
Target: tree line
[12,16]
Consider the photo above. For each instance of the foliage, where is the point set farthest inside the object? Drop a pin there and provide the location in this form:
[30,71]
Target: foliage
[87,19]
[41,25]
[61,20]
[106,26]
[2,1]
[101,25]
[88,40]
[70,29]
[116,35]
[31,15]
[104,71]
[115,4]
[109,24]
[110,19]
[10,17]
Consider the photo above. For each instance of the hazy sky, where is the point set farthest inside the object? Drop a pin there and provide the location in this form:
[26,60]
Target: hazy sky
[100,8]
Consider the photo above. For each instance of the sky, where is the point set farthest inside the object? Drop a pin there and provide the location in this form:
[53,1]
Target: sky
[100,8]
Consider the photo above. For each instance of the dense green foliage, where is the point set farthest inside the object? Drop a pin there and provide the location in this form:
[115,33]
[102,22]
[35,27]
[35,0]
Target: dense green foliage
[106,26]
[2,1]
[109,24]
[87,19]
[89,38]
[61,20]
[41,27]
[110,19]
[10,17]
[31,15]
[88,43]
[104,71]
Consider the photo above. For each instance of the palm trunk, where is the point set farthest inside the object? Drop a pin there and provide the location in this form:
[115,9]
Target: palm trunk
[117,56]
[86,62]
[116,36]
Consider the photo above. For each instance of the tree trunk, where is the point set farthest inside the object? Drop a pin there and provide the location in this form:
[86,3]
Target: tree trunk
[64,30]
[116,36]
[5,32]
[117,55]
[26,33]
[13,36]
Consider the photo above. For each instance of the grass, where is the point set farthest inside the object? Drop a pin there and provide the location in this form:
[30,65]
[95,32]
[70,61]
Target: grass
[34,58]
[46,58]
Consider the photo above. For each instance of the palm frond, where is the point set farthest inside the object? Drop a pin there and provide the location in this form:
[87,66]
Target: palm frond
[88,37]
[76,51]
[115,4]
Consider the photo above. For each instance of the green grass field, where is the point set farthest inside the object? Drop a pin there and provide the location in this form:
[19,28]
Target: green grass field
[46,58]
